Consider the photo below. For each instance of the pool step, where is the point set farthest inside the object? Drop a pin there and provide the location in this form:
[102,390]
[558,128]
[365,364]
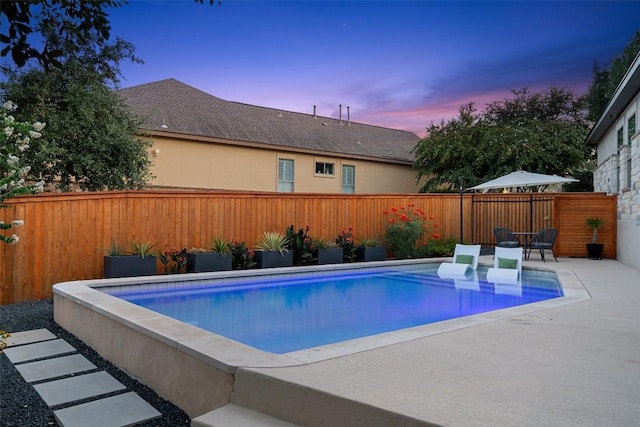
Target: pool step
[66,380]
[235,416]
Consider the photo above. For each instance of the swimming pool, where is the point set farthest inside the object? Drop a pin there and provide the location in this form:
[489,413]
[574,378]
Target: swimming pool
[199,370]
[284,314]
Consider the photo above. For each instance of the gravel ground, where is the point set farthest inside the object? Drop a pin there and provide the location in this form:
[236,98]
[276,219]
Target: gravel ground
[21,406]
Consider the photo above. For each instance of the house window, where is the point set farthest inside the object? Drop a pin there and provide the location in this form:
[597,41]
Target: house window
[285,175]
[628,183]
[620,137]
[323,168]
[631,128]
[348,179]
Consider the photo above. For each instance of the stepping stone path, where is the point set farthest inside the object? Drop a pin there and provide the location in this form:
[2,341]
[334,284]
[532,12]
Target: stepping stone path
[48,362]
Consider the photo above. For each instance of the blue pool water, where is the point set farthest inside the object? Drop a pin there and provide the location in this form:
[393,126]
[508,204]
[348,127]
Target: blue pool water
[284,315]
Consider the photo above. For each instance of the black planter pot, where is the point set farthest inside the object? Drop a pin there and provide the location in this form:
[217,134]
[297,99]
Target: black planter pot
[208,261]
[129,266]
[595,250]
[371,253]
[272,259]
[329,256]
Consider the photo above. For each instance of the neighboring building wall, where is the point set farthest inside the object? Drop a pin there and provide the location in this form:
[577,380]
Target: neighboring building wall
[195,164]
[618,172]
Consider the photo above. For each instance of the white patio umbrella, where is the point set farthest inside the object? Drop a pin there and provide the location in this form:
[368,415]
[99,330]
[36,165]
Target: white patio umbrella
[522,179]
[515,179]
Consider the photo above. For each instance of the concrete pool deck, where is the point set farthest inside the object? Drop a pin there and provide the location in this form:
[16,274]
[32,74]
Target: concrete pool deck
[575,364]
[570,362]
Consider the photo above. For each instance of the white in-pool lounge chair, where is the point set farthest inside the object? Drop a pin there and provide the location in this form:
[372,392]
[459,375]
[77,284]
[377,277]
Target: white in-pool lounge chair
[465,259]
[469,282]
[507,266]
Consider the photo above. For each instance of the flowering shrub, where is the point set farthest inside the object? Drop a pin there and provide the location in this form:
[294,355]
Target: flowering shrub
[173,260]
[242,257]
[14,140]
[406,227]
[3,339]
[345,241]
[301,245]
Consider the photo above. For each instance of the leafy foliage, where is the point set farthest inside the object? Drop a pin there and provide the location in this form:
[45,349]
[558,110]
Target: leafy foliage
[220,245]
[301,245]
[242,256]
[541,132]
[91,138]
[606,79]
[273,241]
[74,20]
[141,249]
[15,139]
[346,242]
[173,260]
[406,228]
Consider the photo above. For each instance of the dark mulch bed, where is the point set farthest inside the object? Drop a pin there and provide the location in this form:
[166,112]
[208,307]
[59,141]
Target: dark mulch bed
[21,406]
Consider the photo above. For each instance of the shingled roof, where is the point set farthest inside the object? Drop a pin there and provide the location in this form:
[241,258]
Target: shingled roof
[186,110]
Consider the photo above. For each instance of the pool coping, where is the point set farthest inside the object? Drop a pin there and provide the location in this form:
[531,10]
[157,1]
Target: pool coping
[228,355]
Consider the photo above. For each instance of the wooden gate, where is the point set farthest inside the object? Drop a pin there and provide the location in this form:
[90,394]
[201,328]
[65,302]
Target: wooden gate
[518,212]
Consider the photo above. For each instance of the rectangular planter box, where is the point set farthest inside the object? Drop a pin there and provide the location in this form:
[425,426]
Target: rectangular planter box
[329,256]
[373,253]
[129,266]
[271,259]
[208,261]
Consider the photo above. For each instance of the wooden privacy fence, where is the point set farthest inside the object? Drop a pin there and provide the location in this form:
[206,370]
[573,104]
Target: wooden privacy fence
[65,235]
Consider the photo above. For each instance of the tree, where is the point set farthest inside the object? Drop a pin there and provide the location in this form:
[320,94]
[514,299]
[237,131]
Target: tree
[74,20]
[91,134]
[14,141]
[542,132]
[606,80]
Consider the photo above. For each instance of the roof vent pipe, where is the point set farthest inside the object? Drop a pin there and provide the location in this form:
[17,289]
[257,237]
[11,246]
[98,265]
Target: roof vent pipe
[348,117]
[314,112]
[340,105]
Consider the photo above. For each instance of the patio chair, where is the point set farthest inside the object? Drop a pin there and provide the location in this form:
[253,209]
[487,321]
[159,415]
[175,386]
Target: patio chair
[544,241]
[505,238]
[507,266]
[465,259]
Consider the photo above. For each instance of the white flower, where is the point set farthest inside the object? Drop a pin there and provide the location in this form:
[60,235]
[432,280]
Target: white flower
[23,147]
[20,182]
[25,170]
[38,126]
[12,160]
[14,239]
[10,119]
[8,131]
[9,106]
[34,134]
[39,187]
[17,222]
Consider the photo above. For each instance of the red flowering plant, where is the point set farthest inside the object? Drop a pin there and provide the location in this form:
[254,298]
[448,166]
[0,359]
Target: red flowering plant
[242,257]
[406,227]
[301,245]
[173,260]
[345,241]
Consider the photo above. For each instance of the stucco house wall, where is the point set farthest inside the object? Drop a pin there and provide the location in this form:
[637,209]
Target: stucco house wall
[618,168]
[201,141]
[217,165]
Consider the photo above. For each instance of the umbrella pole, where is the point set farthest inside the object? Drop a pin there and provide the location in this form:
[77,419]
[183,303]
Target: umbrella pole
[461,211]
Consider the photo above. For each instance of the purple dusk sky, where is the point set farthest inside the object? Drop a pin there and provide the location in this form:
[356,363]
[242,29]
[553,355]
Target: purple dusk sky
[398,64]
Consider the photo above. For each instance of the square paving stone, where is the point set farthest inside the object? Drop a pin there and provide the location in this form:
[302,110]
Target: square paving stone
[76,388]
[116,411]
[28,337]
[27,352]
[53,368]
